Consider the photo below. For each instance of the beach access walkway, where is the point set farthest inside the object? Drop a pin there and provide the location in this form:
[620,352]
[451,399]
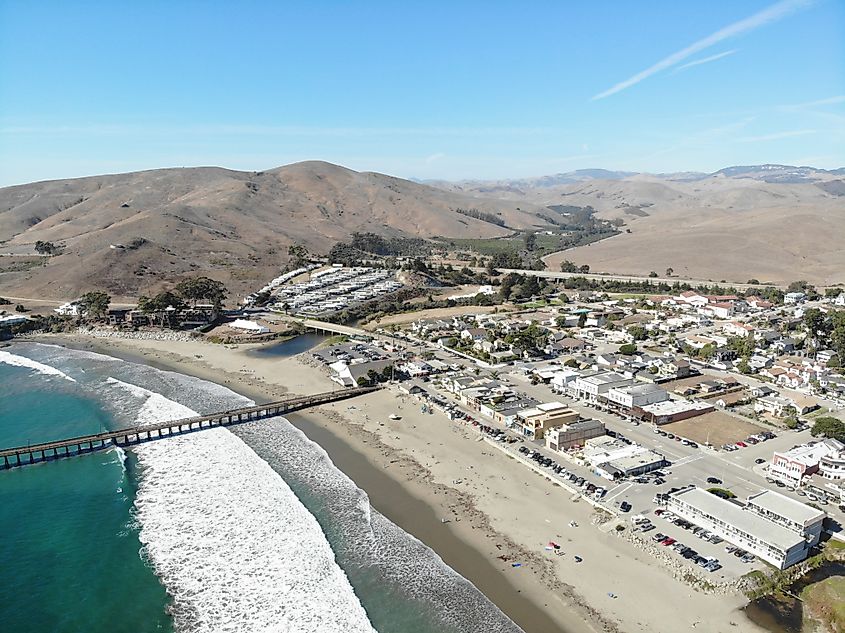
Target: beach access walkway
[71,447]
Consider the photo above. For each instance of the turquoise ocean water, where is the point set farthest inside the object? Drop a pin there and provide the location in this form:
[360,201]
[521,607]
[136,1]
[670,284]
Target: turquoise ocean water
[200,533]
[69,546]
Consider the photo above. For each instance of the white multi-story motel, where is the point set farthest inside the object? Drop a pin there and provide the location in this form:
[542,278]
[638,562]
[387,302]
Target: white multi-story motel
[770,525]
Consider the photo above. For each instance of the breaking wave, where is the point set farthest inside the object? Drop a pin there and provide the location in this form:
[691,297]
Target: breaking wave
[21,361]
[230,540]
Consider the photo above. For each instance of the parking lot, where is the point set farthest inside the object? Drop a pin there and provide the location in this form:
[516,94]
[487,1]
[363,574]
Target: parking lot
[741,471]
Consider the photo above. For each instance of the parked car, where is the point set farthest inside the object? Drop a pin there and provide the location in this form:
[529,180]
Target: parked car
[759,460]
[714,480]
[625,506]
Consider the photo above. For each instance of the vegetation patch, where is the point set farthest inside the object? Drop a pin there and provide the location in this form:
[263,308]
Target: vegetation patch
[490,218]
[724,493]
[824,603]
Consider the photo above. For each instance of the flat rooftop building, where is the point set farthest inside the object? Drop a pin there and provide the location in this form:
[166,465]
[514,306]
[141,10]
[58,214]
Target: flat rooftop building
[765,535]
[674,410]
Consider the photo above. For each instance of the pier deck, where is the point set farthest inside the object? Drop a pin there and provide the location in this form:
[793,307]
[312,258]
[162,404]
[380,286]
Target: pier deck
[70,447]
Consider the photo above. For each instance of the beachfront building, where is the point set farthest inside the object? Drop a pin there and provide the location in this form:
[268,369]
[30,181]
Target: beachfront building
[612,459]
[566,436]
[537,420]
[774,527]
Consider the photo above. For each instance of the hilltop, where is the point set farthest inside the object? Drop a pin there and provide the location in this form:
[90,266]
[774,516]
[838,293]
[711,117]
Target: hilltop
[130,233]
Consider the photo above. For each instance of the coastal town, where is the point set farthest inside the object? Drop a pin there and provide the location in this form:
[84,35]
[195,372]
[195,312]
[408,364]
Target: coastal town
[335,317]
[705,428]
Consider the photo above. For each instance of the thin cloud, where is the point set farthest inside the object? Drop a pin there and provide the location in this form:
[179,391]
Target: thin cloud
[774,136]
[274,130]
[773,13]
[814,104]
[706,60]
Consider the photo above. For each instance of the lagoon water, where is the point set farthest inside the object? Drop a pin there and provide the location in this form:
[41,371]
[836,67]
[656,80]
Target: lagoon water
[202,532]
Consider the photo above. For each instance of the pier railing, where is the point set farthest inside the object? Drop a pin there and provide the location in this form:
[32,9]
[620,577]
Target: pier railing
[70,447]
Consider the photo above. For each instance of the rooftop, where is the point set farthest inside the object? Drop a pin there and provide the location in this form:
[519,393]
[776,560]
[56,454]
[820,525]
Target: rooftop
[733,514]
[668,407]
[786,507]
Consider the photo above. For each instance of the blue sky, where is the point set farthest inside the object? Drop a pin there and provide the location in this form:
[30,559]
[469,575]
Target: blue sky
[428,90]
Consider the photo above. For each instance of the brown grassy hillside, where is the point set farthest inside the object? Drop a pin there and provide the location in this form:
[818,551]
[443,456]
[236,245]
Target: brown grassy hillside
[773,223]
[234,226]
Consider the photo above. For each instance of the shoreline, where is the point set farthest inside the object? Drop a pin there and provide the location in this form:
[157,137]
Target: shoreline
[498,507]
[389,494]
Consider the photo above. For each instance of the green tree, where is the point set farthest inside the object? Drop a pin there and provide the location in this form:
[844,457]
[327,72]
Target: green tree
[829,427]
[530,240]
[707,352]
[95,304]
[567,266]
[46,248]
[157,306]
[669,272]
[197,289]
[815,322]
[298,254]
[652,274]
[628,349]
[638,332]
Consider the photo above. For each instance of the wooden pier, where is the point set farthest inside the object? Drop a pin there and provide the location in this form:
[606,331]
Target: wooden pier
[35,453]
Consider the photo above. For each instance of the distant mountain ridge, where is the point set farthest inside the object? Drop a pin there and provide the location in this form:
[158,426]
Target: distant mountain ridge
[770,173]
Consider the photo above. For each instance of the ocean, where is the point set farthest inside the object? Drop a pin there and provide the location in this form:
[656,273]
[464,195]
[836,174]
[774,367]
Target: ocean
[247,529]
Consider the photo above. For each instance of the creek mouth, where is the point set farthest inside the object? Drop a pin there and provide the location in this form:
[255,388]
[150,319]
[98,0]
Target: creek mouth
[782,612]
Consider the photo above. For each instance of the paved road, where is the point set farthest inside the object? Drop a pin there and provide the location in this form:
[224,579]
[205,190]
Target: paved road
[551,274]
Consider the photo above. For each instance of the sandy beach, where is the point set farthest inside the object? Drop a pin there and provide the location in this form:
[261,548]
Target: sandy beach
[499,512]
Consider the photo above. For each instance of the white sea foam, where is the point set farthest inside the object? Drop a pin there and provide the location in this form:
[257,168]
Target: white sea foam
[232,543]
[22,361]
[404,566]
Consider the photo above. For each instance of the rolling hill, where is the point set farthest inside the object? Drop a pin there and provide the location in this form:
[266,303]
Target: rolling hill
[133,233]
[775,223]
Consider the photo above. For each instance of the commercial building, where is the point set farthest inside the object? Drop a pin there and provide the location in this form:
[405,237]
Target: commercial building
[799,462]
[613,459]
[561,438]
[537,420]
[591,387]
[632,396]
[673,410]
[776,528]
[789,513]
[832,465]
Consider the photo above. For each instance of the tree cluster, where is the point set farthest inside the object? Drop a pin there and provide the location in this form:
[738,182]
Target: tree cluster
[490,218]
[829,427]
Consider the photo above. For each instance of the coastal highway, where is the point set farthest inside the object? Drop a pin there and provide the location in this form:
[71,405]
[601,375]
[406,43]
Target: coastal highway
[550,274]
